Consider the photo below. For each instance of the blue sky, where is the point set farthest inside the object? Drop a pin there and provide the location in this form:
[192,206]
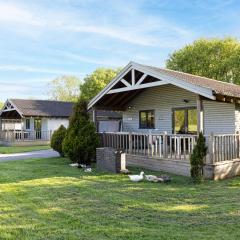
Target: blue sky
[42,39]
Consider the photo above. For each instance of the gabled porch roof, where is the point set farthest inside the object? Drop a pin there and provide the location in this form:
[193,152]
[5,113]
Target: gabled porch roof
[135,77]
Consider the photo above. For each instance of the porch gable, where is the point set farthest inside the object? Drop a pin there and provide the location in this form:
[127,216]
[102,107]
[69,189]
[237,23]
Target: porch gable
[136,77]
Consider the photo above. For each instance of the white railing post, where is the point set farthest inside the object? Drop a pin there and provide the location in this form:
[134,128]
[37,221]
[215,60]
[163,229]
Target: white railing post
[165,145]
[14,136]
[130,142]
[211,148]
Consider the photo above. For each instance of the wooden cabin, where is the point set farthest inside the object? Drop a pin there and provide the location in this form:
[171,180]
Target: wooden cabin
[164,111]
[31,122]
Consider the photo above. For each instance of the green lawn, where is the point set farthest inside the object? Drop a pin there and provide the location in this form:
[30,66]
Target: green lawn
[47,199]
[20,149]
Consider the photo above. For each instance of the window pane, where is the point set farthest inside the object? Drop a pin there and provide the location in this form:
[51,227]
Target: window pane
[146,119]
[192,120]
[151,119]
[27,123]
[37,124]
[143,119]
[179,121]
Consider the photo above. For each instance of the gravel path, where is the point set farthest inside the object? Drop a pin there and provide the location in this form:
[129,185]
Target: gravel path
[35,154]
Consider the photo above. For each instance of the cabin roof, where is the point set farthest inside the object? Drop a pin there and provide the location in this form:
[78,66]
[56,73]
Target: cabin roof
[122,89]
[218,87]
[41,108]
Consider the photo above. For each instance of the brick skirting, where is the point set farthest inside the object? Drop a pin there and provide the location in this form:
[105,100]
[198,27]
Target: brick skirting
[178,167]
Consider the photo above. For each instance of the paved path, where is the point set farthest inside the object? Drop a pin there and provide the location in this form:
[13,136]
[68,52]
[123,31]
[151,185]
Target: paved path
[35,154]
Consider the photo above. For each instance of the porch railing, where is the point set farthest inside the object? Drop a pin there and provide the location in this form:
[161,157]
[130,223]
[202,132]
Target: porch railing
[223,147]
[18,135]
[154,145]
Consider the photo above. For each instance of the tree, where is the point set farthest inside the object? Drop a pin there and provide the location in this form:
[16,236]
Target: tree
[57,140]
[64,88]
[1,105]
[213,58]
[81,139]
[197,158]
[96,81]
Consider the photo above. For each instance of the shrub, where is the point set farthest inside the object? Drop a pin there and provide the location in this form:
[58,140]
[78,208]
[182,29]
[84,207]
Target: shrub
[197,159]
[81,139]
[57,139]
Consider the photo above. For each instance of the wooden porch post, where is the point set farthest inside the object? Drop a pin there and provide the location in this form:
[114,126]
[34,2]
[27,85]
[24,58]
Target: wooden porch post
[211,149]
[199,114]
[94,117]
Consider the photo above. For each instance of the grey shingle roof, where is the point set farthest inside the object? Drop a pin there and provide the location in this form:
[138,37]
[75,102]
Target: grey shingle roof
[43,108]
[218,87]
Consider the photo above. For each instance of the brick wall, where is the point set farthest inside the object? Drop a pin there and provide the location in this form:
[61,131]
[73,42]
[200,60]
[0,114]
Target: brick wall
[110,159]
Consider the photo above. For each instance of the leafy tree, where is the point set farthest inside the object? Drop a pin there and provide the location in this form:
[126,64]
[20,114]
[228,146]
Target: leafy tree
[214,58]
[96,81]
[1,105]
[197,158]
[81,139]
[57,139]
[64,88]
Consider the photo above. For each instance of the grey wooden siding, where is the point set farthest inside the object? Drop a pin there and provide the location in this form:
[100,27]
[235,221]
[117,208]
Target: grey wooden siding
[237,117]
[219,117]
[161,99]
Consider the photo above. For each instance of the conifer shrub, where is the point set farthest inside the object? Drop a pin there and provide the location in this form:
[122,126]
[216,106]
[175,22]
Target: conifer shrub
[197,159]
[57,139]
[81,139]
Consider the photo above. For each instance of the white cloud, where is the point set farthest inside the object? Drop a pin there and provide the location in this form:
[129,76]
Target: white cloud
[133,26]
[95,60]
[117,33]
[30,69]
[22,88]
[17,90]
[15,13]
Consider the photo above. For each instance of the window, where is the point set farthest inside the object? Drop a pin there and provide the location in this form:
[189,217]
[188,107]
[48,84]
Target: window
[27,123]
[38,128]
[146,119]
[37,124]
[185,120]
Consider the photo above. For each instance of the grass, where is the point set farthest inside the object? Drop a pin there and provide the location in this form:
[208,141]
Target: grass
[20,149]
[47,199]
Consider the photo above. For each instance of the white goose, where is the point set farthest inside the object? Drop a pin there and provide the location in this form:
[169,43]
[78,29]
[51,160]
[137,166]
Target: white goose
[136,178]
[74,164]
[152,178]
[87,170]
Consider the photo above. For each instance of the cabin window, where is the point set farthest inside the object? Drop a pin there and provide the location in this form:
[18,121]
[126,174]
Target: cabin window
[27,123]
[185,120]
[147,119]
[37,124]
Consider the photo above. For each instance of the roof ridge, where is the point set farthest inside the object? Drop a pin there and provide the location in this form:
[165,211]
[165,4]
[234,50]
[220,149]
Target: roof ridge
[42,100]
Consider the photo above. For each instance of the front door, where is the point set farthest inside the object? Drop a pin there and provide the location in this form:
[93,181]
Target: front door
[38,127]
